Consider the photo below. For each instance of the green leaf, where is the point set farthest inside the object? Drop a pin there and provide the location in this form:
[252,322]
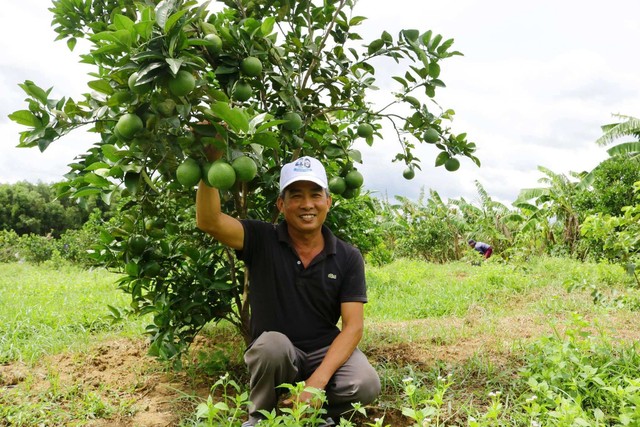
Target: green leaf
[333,151]
[355,155]
[175,64]
[144,29]
[357,20]
[433,44]
[402,81]
[101,86]
[163,9]
[375,46]
[411,35]
[269,124]
[36,91]
[445,46]
[110,152]
[86,191]
[442,158]
[71,43]
[267,25]
[173,19]
[97,166]
[96,180]
[124,38]
[415,103]
[25,118]
[266,139]
[234,117]
[122,22]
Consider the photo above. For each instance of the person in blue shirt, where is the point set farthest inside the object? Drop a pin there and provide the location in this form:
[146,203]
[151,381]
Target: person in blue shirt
[485,249]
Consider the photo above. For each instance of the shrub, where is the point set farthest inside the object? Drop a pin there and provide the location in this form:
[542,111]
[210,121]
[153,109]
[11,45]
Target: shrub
[36,249]
[9,245]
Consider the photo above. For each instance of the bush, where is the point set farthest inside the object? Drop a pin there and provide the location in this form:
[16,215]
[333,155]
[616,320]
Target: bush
[9,246]
[36,249]
[75,245]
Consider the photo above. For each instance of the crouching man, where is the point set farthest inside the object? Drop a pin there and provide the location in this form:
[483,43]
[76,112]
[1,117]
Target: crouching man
[302,281]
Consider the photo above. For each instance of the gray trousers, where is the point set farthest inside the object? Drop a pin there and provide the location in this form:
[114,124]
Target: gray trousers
[273,360]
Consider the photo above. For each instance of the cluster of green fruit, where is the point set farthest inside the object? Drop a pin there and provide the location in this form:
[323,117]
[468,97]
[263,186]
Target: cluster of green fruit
[348,185]
[219,174]
[249,67]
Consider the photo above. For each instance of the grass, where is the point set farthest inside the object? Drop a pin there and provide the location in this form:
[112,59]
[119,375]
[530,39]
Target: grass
[455,332]
[47,309]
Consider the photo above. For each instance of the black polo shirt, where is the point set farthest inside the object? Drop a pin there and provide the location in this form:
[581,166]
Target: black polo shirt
[302,303]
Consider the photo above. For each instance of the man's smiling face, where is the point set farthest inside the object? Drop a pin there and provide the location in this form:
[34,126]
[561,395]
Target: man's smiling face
[304,205]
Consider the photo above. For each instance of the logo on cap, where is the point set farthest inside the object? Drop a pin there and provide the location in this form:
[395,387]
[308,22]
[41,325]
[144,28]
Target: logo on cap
[303,164]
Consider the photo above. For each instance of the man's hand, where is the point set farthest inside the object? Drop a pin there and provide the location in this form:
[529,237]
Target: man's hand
[212,152]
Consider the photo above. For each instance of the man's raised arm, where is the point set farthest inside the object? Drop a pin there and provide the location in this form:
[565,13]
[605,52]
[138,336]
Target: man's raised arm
[210,218]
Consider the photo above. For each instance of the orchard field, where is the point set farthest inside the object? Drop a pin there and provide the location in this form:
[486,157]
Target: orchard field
[115,310]
[549,341]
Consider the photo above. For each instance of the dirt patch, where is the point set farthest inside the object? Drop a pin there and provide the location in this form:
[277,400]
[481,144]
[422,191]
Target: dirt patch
[147,393]
[116,372]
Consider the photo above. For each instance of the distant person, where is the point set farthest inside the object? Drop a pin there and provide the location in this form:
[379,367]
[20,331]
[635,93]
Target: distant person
[485,249]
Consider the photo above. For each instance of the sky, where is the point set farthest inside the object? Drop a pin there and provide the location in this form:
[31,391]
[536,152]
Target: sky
[536,82]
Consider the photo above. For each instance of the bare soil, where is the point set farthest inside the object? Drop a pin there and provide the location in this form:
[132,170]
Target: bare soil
[121,372]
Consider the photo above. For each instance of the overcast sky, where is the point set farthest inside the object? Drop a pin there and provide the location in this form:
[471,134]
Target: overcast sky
[536,82]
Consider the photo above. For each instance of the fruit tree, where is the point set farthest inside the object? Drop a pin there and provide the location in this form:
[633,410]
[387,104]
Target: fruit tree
[265,81]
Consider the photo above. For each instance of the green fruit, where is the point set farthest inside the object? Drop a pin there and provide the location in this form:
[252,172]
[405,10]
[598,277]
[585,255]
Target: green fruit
[151,269]
[188,173]
[350,193]
[431,136]
[452,164]
[365,130]
[337,185]
[215,44]
[245,168]
[221,175]
[409,173]
[251,66]
[354,179]
[137,88]
[137,245]
[128,125]
[242,91]
[293,121]
[166,107]
[182,84]
[150,121]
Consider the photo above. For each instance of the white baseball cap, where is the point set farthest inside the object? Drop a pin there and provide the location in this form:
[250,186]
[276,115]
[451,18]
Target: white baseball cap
[303,169]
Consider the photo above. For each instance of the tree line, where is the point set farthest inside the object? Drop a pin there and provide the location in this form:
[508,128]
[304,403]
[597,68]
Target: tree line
[561,217]
[28,208]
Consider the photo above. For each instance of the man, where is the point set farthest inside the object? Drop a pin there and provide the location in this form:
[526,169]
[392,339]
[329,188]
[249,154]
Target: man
[485,249]
[302,281]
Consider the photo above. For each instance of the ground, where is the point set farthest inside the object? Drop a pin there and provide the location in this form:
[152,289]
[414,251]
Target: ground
[120,372]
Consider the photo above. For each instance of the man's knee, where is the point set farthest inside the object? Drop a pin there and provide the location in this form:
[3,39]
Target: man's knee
[366,387]
[269,346]
[360,385]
